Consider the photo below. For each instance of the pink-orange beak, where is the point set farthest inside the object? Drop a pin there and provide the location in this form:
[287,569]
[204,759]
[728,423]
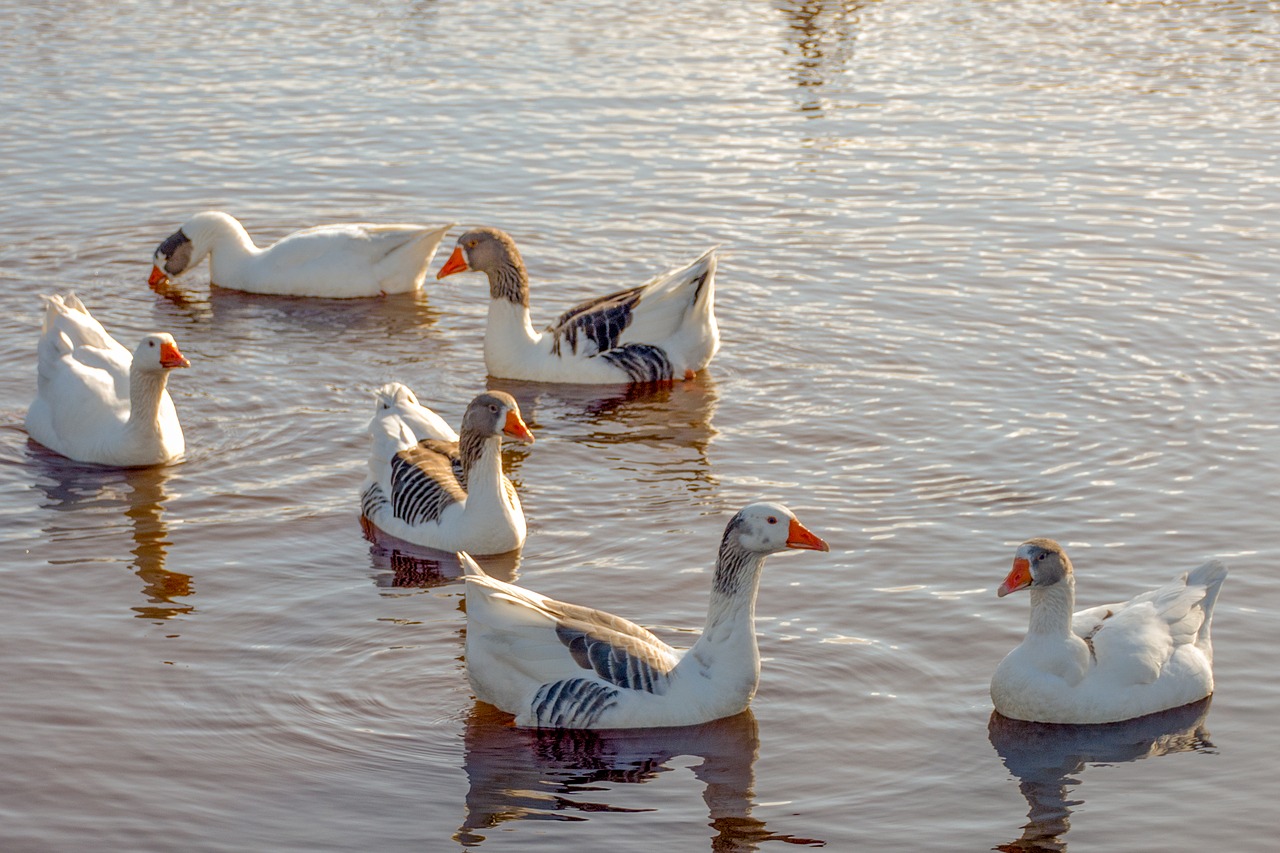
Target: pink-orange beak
[798,536]
[171,357]
[456,263]
[1019,578]
[516,428]
[158,277]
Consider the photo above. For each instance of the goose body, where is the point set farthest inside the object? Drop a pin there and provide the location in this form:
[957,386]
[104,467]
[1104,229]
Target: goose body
[1109,663]
[559,665]
[439,489]
[657,332]
[335,261]
[96,401]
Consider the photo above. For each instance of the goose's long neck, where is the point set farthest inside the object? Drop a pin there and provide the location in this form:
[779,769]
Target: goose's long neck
[481,465]
[228,245]
[731,613]
[146,389]
[1052,608]
[509,303]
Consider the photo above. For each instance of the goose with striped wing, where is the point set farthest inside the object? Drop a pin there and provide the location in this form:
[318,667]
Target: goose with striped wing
[657,332]
[439,489]
[556,665]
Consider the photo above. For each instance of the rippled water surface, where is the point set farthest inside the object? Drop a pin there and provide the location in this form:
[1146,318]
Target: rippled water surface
[990,270]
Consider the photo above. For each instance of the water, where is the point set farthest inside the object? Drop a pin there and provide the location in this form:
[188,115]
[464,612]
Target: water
[989,271]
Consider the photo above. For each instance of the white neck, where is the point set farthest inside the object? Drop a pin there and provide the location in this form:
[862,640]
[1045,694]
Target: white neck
[228,245]
[727,650]
[509,336]
[1052,608]
[484,477]
[146,389]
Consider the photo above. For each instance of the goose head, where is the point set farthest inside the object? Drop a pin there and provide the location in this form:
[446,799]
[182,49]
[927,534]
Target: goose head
[394,395]
[187,246]
[159,352]
[1038,563]
[495,413]
[483,250]
[767,528]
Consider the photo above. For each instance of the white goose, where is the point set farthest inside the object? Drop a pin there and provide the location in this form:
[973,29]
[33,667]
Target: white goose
[559,665]
[433,487]
[97,402]
[335,261]
[1108,663]
[657,332]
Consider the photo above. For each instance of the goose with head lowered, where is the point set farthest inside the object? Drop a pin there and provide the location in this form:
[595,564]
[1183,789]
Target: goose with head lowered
[96,401]
[334,261]
[1108,663]
[439,489]
[556,665]
[657,332]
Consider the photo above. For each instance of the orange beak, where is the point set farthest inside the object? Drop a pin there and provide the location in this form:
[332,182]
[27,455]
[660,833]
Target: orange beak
[157,277]
[170,357]
[1019,578]
[798,536]
[516,428]
[456,263]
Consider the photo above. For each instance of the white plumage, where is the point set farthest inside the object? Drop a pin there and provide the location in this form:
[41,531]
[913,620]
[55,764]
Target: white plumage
[96,401]
[335,261]
[1108,663]
[660,331]
[559,665]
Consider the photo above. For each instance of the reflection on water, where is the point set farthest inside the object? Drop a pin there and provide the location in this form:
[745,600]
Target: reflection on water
[400,564]
[387,316]
[676,414]
[526,774]
[141,493]
[823,35]
[1046,759]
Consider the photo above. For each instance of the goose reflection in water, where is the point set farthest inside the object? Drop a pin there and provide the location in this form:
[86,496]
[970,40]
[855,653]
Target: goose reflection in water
[539,775]
[669,415]
[398,564]
[97,494]
[1046,758]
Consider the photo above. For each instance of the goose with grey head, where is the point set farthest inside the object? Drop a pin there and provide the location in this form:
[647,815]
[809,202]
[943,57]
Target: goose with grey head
[1108,663]
[556,665]
[439,489]
[336,261]
[660,331]
[97,402]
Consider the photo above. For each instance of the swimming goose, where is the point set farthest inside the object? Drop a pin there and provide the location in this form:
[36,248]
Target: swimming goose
[439,489]
[335,261]
[564,666]
[1108,663]
[657,332]
[96,401]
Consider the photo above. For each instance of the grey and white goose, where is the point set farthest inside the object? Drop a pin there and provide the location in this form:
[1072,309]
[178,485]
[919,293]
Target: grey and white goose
[660,331]
[336,261]
[439,489]
[1108,663]
[565,666]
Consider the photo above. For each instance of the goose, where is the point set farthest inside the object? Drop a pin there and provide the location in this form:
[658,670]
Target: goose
[97,402]
[439,489]
[1109,663]
[657,332]
[556,665]
[335,261]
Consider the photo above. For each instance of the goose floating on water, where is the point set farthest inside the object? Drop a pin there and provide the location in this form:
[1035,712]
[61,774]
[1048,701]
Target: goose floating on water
[96,401]
[1109,663]
[335,261]
[564,666]
[439,489]
[656,332]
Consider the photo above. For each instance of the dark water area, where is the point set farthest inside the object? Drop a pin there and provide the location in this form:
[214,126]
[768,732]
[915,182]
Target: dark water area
[988,271]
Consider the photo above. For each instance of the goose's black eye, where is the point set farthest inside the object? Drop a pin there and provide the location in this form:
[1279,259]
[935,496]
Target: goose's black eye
[773,519]
[1040,557]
